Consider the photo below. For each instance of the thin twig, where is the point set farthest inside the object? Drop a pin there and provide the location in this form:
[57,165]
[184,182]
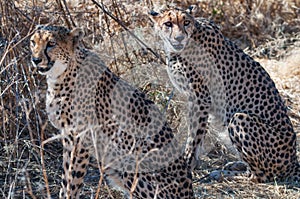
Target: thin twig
[102,7]
[12,47]
[64,13]
[28,184]
[69,14]
[22,13]
[43,162]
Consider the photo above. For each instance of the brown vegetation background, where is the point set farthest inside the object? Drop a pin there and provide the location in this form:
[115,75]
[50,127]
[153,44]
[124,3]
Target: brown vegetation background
[267,30]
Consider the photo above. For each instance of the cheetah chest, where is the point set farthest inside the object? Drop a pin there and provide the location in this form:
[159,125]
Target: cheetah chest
[190,77]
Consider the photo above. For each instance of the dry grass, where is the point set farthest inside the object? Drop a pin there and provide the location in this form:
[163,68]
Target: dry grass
[269,30]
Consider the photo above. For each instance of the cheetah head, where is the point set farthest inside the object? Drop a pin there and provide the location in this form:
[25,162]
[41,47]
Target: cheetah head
[53,47]
[175,27]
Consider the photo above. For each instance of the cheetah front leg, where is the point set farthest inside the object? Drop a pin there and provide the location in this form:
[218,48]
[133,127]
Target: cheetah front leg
[199,105]
[75,162]
[270,154]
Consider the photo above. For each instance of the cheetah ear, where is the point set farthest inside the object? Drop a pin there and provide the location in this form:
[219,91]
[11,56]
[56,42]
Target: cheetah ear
[154,16]
[153,13]
[76,34]
[192,10]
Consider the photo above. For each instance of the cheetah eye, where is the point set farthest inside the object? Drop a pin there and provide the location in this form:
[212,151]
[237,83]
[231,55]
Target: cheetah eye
[168,24]
[186,22]
[51,44]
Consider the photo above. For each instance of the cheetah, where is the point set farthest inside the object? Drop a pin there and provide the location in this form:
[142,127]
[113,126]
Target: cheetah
[101,115]
[228,91]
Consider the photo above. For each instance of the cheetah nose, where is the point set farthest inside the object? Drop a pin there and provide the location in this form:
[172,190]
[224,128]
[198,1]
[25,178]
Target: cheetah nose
[179,38]
[36,61]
